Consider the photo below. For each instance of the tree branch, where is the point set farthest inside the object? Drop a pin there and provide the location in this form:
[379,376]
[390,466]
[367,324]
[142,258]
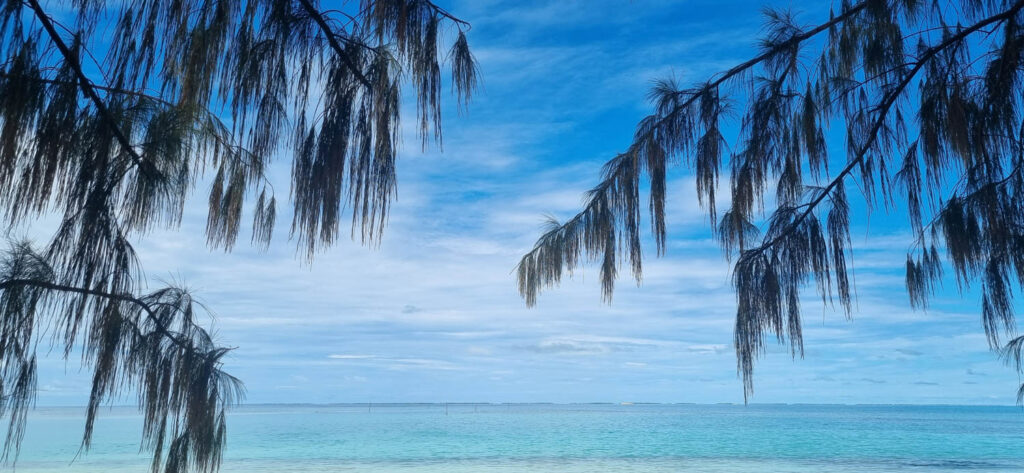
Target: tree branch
[106,295]
[104,88]
[87,86]
[444,13]
[114,90]
[318,18]
[884,109]
[734,71]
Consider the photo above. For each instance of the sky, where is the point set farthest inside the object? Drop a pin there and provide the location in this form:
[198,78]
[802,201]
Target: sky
[433,313]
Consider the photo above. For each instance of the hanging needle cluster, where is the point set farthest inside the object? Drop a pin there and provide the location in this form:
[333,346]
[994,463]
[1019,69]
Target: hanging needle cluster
[927,97]
[111,112]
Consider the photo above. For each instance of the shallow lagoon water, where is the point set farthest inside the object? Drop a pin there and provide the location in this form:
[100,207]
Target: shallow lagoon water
[509,438]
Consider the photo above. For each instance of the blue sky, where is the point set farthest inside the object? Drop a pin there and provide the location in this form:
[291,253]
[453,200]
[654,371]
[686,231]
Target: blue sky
[433,315]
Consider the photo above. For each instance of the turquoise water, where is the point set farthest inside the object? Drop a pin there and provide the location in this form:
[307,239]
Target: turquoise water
[565,438]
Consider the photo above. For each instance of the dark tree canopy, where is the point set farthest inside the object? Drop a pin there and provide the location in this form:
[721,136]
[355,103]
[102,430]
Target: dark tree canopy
[929,96]
[110,114]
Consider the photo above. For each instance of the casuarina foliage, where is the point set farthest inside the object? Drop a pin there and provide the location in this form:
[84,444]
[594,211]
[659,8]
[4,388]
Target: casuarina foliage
[927,97]
[111,112]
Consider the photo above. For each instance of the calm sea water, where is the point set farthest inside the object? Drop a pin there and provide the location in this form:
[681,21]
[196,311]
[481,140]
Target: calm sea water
[564,438]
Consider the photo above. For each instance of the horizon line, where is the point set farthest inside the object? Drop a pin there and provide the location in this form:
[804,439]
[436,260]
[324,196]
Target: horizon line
[538,403]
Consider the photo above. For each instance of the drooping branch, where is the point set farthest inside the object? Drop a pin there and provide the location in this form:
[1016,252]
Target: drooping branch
[766,281]
[446,14]
[328,33]
[345,157]
[84,82]
[160,328]
[783,133]
[536,268]
[883,110]
[128,344]
[219,138]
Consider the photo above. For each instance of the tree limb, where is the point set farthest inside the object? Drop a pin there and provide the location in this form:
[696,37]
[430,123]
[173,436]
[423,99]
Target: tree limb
[444,13]
[734,71]
[87,87]
[106,295]
[318,18]
[884,109]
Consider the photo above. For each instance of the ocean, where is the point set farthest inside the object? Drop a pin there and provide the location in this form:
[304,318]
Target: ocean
[507,438]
